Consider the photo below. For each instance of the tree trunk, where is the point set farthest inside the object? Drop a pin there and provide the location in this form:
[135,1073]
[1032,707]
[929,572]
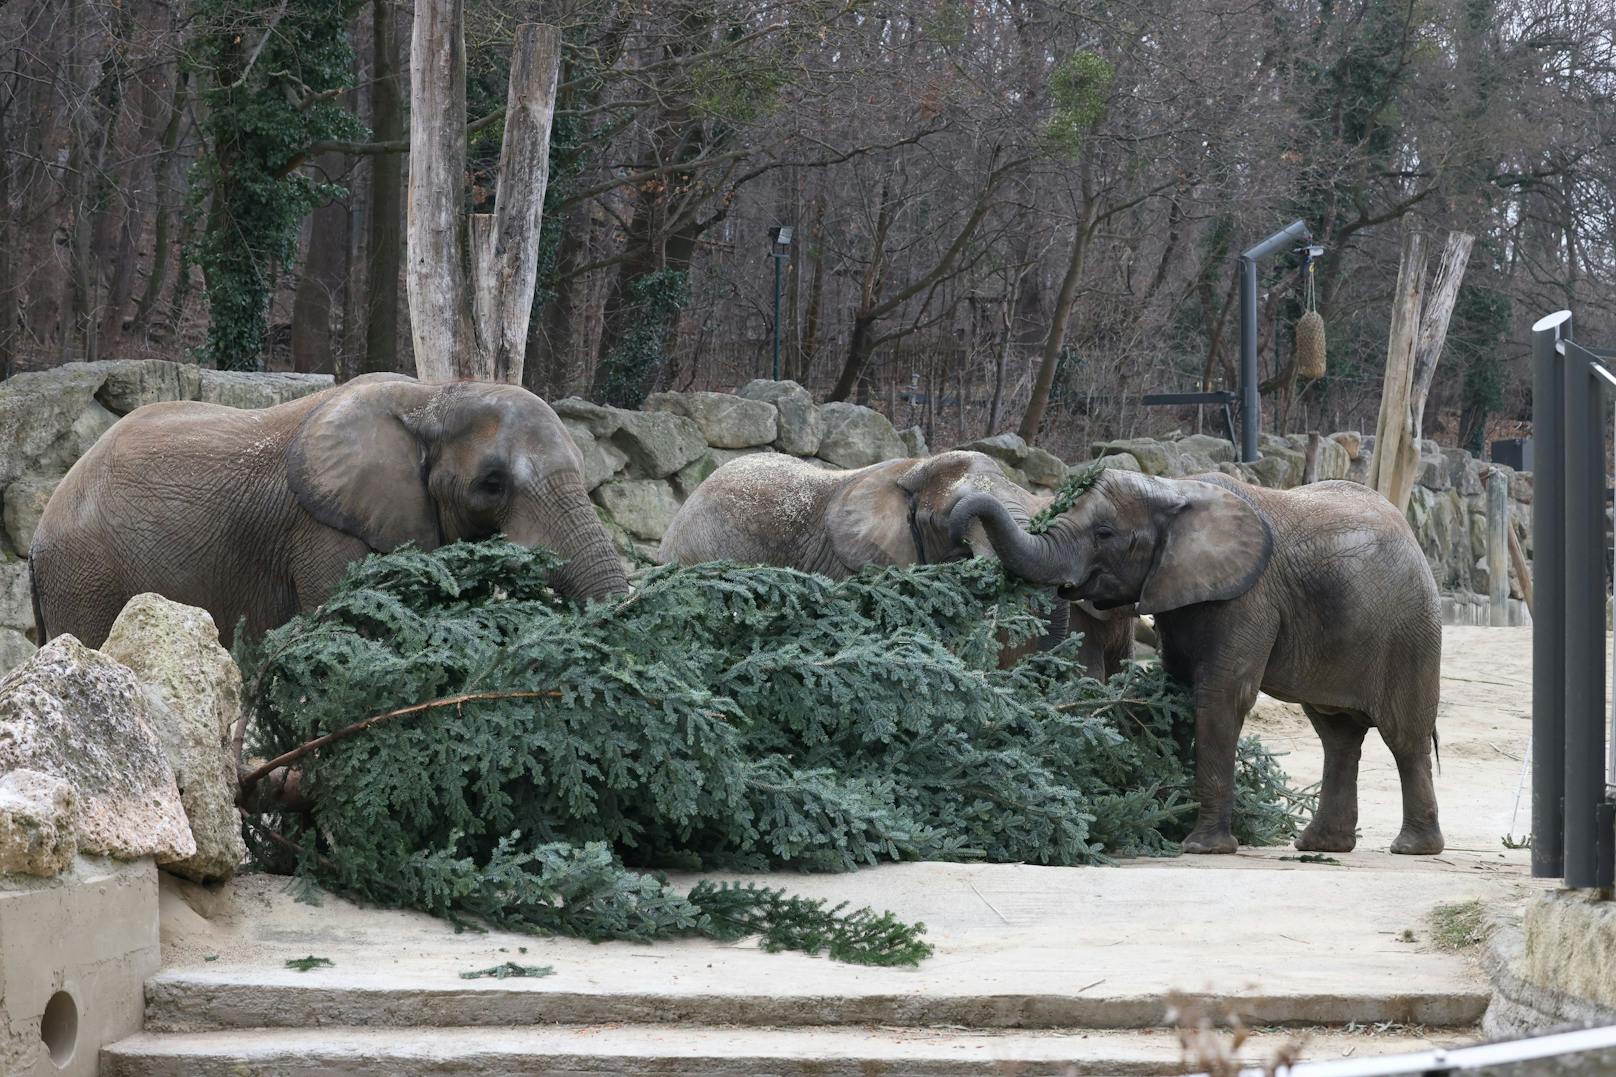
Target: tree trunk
[1055,341]
[321,282]
[471,280]
[165,177]
[386,212]
[1391,469]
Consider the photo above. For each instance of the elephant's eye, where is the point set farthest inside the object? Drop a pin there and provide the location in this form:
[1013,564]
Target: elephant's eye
[492,484]
[1104,533]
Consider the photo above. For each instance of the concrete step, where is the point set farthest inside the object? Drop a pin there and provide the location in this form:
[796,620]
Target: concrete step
[202,1000]
[630,1050]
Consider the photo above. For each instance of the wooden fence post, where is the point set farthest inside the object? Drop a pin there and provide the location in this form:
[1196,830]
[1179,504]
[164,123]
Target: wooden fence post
[1498,549]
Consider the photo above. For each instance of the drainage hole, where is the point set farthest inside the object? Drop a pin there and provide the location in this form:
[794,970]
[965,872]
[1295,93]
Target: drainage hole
[59,1028]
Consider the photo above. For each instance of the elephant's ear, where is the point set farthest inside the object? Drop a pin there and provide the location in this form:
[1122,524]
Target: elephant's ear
[356,465]
[1216,546]
[868,519]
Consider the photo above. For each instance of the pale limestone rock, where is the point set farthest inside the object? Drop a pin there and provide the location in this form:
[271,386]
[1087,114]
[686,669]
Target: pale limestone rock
[38,818]
[797,418]
[642,507]
[77,714]
[726,421]
[174,651]
[24,503]
[856,436]
[14,650]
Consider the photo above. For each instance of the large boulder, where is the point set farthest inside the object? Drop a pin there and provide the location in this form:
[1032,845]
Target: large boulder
[1007,447]
[1043,467]
[14,650]
[642,507]
[48,418]
[1350,440]
[16,597]
[81,716]
[657,443]
[23,505]
[914,441]
[601,459]
[134,383]
[241,389]
[1463,473]
[797,419]
[726,421]
[174,652]
[38,823]
[601,421]
[1119,461]
[1215,450]
[855,436]
[1151,455]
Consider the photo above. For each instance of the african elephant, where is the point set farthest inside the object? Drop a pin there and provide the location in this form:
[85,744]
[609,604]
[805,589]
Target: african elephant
[255,514]
[1318,596]
[773,509]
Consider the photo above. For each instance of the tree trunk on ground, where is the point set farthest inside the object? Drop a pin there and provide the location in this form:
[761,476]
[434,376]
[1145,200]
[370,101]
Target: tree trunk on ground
[322,281]
[1419,329]
[471,279]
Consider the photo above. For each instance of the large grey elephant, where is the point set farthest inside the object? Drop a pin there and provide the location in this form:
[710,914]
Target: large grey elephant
[255,514]
[773,509]
[1318,596]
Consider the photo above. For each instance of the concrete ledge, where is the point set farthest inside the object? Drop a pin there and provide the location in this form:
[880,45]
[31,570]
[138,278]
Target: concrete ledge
[1521,1007]
[200,1001]
[1571,946]
[75,951]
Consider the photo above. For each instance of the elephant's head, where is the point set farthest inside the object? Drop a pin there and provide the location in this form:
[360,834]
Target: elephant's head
[393,461]
[900,512]
[1130,538]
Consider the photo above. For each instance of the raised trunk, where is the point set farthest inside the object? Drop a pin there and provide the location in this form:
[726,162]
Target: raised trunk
[1037,558]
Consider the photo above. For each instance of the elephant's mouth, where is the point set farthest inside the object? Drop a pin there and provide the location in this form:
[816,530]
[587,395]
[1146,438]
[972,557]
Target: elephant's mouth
[1072,592]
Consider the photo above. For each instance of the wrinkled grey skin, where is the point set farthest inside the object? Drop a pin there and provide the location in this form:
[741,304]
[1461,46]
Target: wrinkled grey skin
[1318,596]
[255,514]
[773,509]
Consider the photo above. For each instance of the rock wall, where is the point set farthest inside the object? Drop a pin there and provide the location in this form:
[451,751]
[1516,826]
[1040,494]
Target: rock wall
[641,465]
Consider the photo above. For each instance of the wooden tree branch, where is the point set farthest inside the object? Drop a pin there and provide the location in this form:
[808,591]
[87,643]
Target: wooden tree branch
[285,759]
[1391,469]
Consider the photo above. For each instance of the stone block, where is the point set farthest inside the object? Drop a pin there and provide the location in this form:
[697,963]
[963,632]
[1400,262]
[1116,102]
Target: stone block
[241,389]
[1119,461]
[1151,455]
[657,443]
[1333,460]
[48,418]
[1008,447]
[174,651]
[1520,486]
[797,418]
[914,441]
[600,420]
[693,474]
[1463,472]
[134,383]
[1433,473]
[77,714]
[1043,468]
[1351,441]
[16,597]
[856,436]
[75,953]
[726,421]
[14,650]
[1217,450]
[1571,945]
[24,503]
[601,459]
[642,507]
[38,823]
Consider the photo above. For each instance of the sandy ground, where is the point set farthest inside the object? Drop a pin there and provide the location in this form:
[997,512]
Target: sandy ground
[1360,929]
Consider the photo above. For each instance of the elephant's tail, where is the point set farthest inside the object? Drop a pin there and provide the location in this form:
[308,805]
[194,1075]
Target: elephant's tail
[39,608]
[1436,747]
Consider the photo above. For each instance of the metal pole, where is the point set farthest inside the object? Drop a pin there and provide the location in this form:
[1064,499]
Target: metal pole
[1584,575]
[776,256]
[1250,401]
[1548,596]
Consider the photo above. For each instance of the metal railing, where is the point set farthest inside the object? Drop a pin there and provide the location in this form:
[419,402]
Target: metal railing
[1573,761]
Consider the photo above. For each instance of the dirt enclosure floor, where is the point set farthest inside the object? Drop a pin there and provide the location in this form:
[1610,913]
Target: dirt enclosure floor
[1280,941]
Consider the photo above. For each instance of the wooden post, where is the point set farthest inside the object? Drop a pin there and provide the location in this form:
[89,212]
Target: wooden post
[1523,571]
[1396,455]
[1498,530]
[1418,331]
[1310,465]
[471,279]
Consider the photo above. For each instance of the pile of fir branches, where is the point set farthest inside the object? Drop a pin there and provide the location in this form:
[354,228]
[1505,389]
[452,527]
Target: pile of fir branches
[532,764]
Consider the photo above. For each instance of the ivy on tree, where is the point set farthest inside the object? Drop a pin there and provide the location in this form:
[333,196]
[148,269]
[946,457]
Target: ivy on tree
[271,73]
[717,718]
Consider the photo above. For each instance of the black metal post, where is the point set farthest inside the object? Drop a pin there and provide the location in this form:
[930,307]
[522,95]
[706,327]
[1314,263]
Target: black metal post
[1250,401]
[777,260]
[1583,573]
[1548,595]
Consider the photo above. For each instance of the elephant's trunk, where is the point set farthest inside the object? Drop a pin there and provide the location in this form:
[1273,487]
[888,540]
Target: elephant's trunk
[566,523]
[1060,624]
[1038,558]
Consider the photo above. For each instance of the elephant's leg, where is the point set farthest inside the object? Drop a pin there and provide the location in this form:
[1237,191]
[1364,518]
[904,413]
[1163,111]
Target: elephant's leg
[1220,710]
[1421,834]
[1334,828]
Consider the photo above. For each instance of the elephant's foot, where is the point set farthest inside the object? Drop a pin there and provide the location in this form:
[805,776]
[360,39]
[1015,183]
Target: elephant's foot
[1210,841]
[1323,837]
[1419,841]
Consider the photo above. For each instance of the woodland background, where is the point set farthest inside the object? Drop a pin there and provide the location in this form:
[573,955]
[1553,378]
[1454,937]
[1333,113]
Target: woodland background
[980,190]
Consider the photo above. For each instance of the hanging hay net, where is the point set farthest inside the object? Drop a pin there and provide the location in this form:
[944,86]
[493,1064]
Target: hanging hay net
[1310,335]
